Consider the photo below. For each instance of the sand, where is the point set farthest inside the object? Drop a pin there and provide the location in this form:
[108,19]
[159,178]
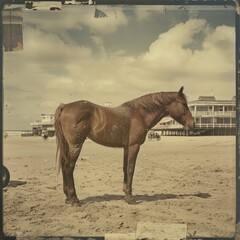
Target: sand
[178,180]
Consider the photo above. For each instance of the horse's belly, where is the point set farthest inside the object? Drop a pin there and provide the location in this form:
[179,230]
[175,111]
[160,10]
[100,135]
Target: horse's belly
[111,136]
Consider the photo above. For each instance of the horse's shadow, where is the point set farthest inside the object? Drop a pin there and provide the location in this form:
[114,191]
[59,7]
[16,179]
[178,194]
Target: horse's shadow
[145,197]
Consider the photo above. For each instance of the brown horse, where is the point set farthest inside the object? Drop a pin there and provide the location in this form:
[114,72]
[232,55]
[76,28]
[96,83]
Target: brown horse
[124,126]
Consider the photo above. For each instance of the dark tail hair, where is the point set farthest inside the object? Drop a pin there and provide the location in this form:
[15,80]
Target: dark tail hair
[62,145]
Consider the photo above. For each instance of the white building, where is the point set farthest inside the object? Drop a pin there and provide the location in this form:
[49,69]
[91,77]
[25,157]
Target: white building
[44,125]
[211,116]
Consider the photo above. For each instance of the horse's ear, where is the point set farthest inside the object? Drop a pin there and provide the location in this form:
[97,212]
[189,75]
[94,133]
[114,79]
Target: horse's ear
[180,92]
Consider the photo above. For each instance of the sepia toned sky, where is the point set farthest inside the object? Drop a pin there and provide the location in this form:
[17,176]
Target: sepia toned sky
[70,55]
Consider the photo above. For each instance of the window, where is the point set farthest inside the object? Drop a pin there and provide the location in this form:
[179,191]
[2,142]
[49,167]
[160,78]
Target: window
[207,120]
[218,108]
[219,120]
[227,120]
[230,108]
[223,120]
[202,108]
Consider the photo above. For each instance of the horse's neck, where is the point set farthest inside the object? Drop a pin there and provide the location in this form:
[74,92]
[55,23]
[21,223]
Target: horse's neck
[151,118]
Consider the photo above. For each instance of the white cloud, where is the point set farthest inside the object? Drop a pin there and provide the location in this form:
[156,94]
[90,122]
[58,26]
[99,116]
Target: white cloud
[144,12]
[170,59]
[49,71]
[61,84]
[77,18]
[40,46]
[99,44]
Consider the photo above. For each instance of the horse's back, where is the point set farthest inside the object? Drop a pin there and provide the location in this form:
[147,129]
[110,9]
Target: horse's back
[76,116]
[75,111]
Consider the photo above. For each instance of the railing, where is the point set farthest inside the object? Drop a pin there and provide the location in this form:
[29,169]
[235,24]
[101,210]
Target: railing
[37,123]
[198,125]
[172,126]
[215,125]
[214,114]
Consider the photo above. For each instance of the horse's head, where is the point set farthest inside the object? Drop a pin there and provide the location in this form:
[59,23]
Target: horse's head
[179,111]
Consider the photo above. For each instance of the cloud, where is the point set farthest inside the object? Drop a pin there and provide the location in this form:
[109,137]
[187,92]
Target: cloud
[41,46]
[173,42]
[144,13]
[99,44]
[52,70]
[77,18]
[170,59]
[62,84]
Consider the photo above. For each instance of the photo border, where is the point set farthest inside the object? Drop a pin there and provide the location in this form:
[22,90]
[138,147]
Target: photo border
[236,4]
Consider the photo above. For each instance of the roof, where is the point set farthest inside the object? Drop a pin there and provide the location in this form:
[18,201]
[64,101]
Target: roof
[211,100]
[206,98]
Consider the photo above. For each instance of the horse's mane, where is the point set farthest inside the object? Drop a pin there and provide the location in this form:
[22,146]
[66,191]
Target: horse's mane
[152,102]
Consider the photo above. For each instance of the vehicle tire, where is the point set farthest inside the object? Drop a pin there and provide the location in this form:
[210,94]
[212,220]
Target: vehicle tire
[54,8]
[5,176]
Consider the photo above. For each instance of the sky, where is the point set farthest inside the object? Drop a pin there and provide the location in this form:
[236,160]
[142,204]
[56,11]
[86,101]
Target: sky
[69,55]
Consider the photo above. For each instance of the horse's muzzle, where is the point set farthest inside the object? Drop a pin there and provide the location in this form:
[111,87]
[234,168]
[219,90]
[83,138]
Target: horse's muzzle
[189,126]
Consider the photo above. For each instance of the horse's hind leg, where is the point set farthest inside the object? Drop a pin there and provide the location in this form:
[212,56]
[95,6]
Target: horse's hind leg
[67,171]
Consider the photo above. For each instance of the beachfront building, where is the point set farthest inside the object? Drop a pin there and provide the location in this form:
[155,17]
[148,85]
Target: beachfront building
[44,125]
[211,116]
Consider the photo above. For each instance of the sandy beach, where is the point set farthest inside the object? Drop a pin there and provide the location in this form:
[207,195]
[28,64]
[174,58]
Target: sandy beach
[177,180]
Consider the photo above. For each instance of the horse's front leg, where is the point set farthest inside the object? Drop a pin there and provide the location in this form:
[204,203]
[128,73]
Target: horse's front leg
[132,156]
[125,166]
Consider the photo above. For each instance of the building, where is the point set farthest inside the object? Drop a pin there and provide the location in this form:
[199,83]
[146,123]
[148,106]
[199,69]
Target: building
[44,125]
[211,116]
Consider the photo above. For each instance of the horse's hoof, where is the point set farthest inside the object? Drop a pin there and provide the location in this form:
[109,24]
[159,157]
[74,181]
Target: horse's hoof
[130,200]
[77,204]
[74,202]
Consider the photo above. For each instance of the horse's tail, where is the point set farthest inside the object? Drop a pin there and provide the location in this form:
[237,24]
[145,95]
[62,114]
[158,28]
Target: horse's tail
[62,145]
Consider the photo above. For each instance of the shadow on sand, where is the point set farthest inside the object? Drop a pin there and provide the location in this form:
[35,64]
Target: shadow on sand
[16,183]
[145,197]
